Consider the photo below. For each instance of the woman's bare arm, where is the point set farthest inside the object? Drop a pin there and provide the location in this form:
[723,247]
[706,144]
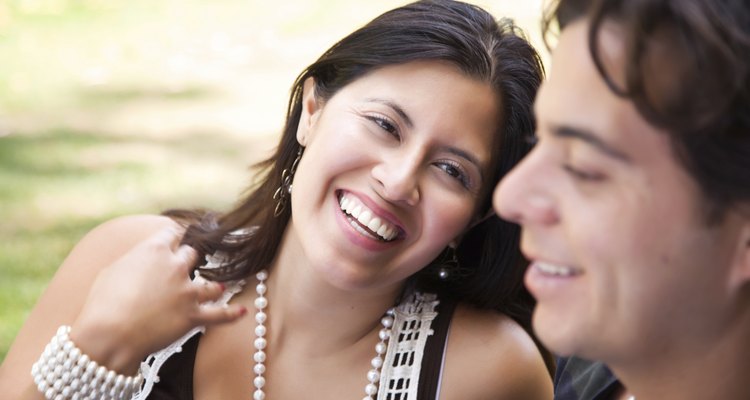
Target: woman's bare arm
[125,291]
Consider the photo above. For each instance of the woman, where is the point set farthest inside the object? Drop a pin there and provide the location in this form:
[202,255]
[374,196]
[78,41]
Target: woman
[634,202]
[394,140]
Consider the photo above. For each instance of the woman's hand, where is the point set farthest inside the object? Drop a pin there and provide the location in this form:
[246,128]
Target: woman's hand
[144,301]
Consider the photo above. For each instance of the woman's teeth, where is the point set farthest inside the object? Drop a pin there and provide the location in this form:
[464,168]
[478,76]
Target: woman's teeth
[357,210]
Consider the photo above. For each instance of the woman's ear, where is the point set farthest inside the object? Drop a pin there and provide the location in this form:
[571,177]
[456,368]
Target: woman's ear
[310,112]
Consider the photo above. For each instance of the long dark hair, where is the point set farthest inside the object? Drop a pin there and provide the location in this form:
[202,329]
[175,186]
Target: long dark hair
[703,103]
[482,48]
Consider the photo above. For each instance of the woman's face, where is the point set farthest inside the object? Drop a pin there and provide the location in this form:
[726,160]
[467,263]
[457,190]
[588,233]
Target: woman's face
[392,171]
[624,264]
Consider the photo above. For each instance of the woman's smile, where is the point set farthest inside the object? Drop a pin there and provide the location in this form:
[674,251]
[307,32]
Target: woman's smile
[358,230]
[367,221]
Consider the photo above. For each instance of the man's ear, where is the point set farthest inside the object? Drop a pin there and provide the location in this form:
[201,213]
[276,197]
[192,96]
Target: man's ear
[310,111]
[740,274]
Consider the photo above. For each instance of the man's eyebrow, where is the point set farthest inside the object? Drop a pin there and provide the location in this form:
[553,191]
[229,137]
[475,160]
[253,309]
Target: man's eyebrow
[395,107]
[590,138]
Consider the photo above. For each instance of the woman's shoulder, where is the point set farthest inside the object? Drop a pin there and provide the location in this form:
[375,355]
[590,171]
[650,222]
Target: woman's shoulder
[511,364]
[126,231]
[113,238]
[67,291]
[101,246]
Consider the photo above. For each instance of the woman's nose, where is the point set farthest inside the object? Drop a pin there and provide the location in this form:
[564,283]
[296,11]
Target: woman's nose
[398,176]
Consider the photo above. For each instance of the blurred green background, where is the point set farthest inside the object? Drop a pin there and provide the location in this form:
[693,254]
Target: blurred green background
[112,107]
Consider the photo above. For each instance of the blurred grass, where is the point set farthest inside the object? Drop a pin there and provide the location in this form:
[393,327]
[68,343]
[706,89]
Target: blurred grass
[111,107]
[57,185]
[61,175]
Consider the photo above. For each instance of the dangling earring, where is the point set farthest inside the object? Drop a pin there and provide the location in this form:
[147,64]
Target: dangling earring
[448,267]
[284,191]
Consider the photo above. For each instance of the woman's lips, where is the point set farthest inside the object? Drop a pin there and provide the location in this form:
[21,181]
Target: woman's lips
[365,220]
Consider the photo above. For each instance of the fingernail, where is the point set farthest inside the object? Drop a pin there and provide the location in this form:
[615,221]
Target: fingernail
[222,286]
[243,311]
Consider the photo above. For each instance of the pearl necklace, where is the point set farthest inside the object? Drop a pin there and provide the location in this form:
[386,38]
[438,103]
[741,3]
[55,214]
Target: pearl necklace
[261,302]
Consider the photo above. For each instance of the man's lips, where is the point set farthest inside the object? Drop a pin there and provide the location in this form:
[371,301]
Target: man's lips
[553,269]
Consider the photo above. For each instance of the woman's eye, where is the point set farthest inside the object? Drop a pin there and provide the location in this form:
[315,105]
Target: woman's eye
[455,171]
[385,124]
[582,175]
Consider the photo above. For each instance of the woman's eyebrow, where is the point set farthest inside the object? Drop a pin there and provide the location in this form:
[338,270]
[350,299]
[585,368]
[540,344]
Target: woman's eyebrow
[466,156]
[463,154]
[391,104]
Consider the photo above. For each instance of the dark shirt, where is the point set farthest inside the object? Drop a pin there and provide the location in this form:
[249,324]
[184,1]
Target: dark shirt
[580,379]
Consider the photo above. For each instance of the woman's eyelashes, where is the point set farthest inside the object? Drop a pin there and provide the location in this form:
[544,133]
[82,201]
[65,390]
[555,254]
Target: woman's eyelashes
[386,124]
[455,171]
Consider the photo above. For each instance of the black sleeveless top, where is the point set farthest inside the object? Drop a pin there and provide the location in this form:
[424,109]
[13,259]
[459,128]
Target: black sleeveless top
[176,374]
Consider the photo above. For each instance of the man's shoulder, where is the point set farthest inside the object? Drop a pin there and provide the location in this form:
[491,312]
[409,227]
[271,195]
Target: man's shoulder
[580,379]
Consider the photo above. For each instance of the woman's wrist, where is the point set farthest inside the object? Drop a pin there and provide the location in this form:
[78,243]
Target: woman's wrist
[107,347]
[63,371]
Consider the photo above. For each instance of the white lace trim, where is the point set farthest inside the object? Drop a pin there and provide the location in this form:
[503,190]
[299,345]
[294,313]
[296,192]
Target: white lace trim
[399,379]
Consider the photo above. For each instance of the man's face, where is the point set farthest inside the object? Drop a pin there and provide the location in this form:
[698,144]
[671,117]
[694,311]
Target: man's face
[612,222]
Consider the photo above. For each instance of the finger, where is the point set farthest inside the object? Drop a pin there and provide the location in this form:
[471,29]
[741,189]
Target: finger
[208,291]
[169,237]
[178,233]
[215,314]
[186,257]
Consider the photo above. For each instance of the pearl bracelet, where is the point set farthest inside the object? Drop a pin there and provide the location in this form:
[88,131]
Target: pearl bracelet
[63,372]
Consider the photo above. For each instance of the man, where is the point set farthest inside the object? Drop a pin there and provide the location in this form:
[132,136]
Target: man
[635,202]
